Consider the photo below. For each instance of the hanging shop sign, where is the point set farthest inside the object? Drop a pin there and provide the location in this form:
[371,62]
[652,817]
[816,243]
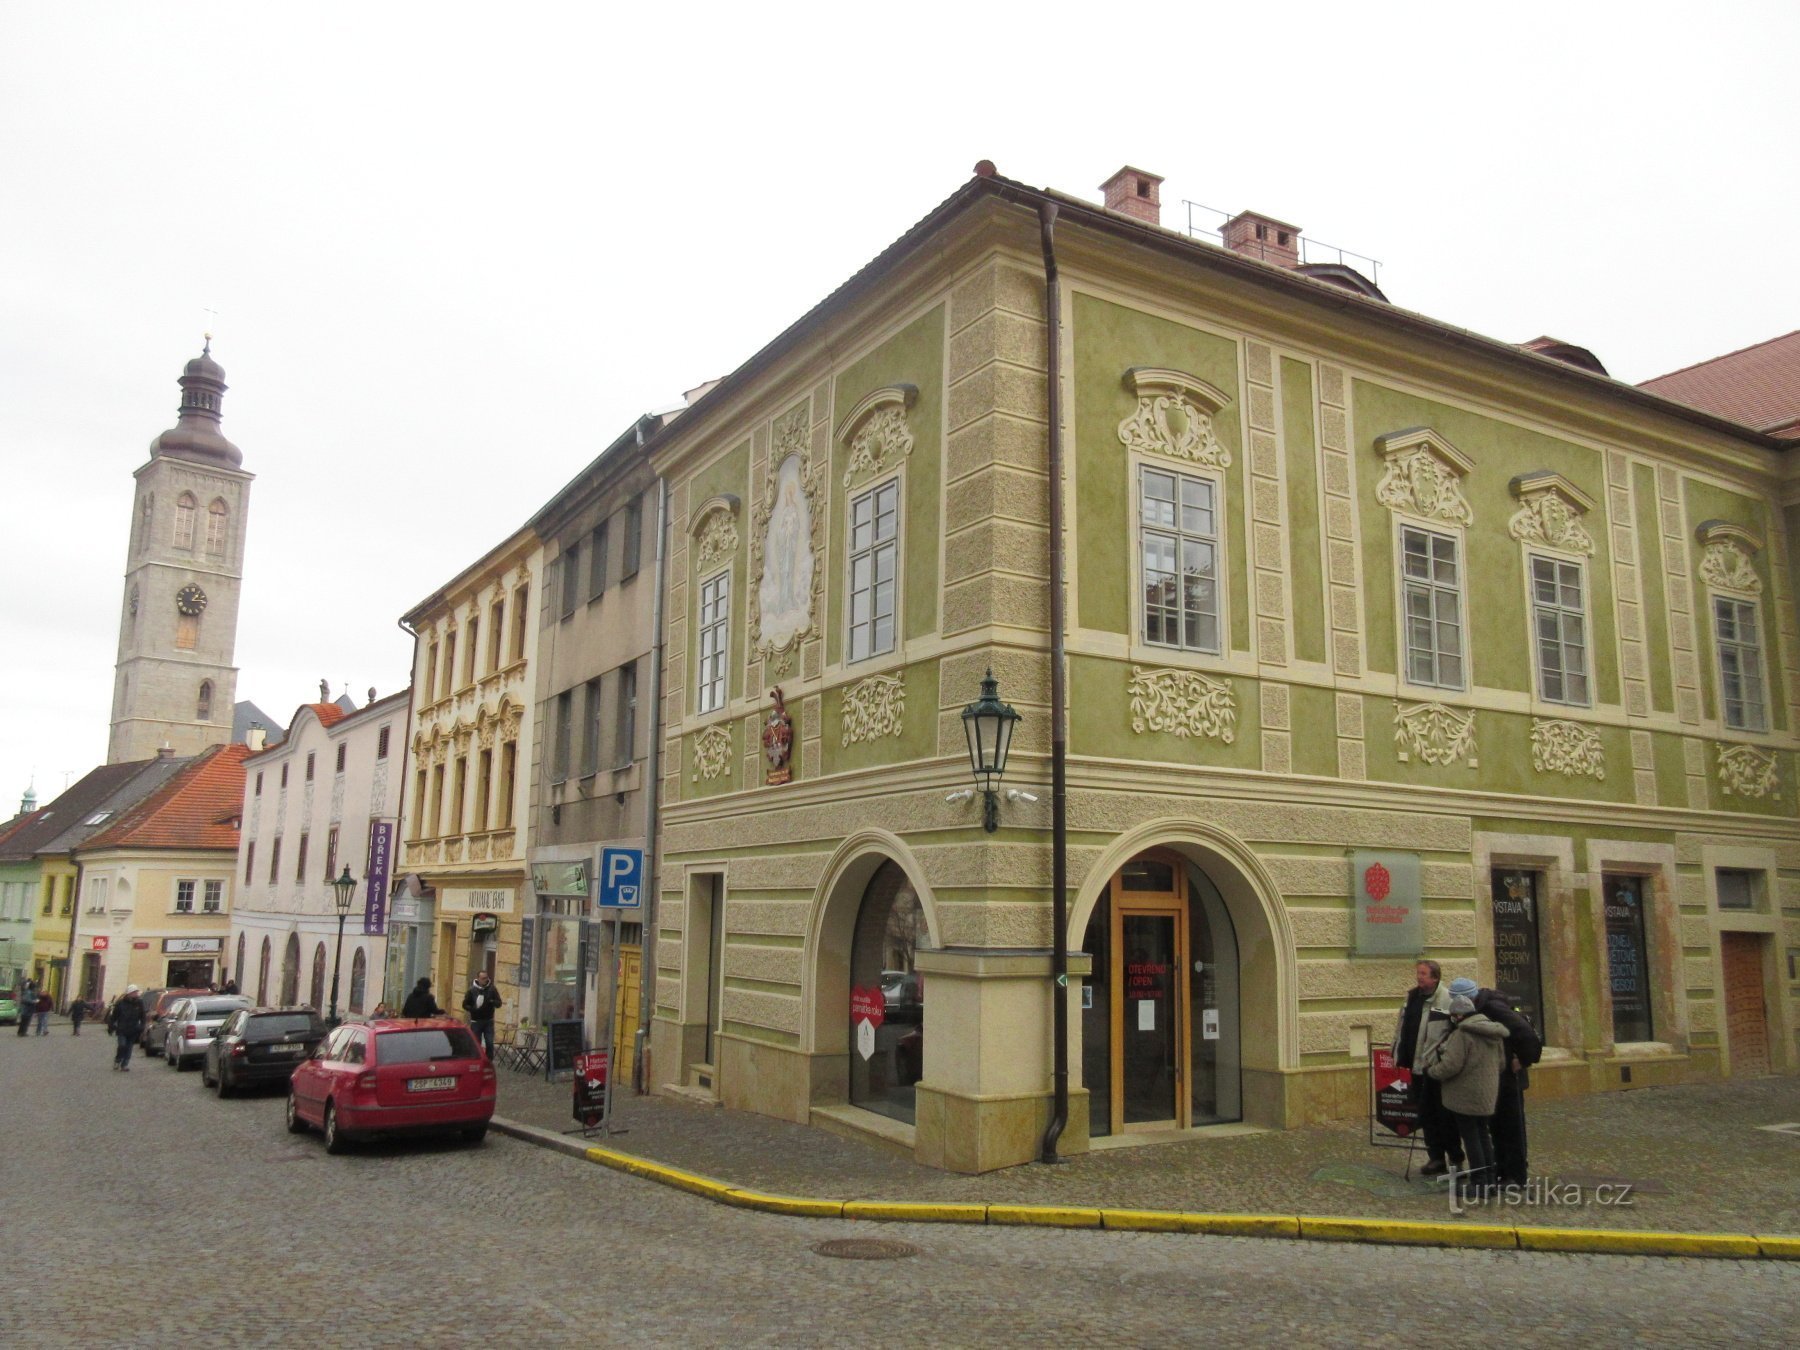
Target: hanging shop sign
[485,925]
[1390,916]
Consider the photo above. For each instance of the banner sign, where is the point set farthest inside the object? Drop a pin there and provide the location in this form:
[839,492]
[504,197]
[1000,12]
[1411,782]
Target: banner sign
[1390,916]
[1394,1110]
[380,865]
[527,934]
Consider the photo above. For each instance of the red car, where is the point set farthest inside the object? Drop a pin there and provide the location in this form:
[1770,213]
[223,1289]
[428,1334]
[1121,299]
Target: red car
[423,1075]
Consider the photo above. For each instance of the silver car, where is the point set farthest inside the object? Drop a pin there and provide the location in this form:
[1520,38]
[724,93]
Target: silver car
[193,1022]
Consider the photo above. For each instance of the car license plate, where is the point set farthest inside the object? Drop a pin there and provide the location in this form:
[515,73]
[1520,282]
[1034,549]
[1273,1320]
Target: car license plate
[429,1084]
[288,1049]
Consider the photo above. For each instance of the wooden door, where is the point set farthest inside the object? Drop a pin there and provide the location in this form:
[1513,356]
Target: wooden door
[1746,1017]
[1150,995]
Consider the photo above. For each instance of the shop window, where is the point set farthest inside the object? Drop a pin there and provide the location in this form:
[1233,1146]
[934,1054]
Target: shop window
[1518,975]
[1627,958]
[1178,536]
[873,570]
[887,1061]
[1559,621]
[1431,585]
[1740,664]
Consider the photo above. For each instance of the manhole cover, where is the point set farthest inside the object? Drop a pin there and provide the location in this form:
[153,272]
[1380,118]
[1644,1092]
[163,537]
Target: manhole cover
[865,1249]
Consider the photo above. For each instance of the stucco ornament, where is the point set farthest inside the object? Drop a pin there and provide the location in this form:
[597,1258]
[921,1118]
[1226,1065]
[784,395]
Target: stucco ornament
[1183,703]
[1174,417]
[1550,511]
[1745,771]
[873,708]
[1424,476]
[1435,732]
[1725,558]
[712,753]
[876,431]
[715,534]
[784,542]
[1570,748]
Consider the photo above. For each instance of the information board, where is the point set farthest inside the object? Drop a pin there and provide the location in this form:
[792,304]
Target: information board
[563,1041]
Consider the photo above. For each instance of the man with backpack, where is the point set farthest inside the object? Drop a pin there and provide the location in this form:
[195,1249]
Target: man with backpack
[1524,1047]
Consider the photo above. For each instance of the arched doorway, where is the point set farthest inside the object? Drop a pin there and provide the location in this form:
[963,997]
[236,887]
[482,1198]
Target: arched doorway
[290,972]
[887,997]
[262,974]
[359,980]
[318,979]
[237,966]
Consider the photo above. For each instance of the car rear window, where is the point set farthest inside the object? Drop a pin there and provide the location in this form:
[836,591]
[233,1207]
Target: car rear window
[419,1047]
[218,1007]
[276,1026]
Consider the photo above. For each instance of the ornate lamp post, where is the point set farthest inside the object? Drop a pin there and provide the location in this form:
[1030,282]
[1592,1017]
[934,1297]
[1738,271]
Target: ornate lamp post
[988,723]
[344,891]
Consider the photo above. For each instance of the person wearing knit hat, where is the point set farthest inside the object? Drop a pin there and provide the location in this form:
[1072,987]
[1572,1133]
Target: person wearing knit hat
[1524,1047]
[1466,1065]
[1463,987]
[1423,1021]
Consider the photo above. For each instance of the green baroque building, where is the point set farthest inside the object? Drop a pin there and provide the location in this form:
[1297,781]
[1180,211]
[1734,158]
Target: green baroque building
[1383,640]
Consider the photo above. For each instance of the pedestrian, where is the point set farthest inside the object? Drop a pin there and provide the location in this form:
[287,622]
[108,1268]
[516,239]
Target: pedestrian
[1524,1047]
[77,1013]
[230,987]
[481,1003]
[1466,1066]
[1424,1020]
[126,1022]
[420,1003]
[45,1006]
[381,1010]
[27,1002]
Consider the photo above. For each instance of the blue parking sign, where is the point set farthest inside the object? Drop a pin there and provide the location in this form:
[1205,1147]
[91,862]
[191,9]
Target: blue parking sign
[621,878]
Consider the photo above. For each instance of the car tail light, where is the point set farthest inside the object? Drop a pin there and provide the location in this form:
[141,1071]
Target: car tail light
[239,1050]
[366,1081]
[487,1072]
[193,1032]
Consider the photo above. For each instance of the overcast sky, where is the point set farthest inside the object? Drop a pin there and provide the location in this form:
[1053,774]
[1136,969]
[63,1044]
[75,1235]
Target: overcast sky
[454,249]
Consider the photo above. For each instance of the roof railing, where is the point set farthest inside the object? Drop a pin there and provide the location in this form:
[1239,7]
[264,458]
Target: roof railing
[1197,228]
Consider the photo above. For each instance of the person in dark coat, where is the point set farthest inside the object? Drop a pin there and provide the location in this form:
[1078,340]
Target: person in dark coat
[481,1002]
[1466,1065]
[1424,1020]
[1524,1047]
[77,1013]
[27,1002]
[45,1006]
[420,1003]
[126,1022]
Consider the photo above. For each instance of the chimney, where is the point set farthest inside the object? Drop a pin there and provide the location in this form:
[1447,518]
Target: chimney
[1134,193]
[256,737]
[1263,237]
[165,751]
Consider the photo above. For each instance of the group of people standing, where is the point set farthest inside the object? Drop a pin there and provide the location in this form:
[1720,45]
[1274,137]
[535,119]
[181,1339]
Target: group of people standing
[35,1007]
[481,1001]
[1470,1052]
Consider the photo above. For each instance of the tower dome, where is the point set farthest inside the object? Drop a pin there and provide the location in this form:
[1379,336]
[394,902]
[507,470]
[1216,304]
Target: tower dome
[195,434]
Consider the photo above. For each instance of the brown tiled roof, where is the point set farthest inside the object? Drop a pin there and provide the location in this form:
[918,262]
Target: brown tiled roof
[17,823]
[1758,386]
[77,802]
[197,808]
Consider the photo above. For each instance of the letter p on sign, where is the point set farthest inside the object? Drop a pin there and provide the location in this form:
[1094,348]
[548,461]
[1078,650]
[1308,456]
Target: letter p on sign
[621,878]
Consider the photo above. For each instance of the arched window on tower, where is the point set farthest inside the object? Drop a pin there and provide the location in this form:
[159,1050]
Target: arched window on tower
[215,528]
[185,506]
[203,705]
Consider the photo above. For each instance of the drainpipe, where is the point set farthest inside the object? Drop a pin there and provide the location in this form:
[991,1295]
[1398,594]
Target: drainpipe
[1059,736]
[640,1078]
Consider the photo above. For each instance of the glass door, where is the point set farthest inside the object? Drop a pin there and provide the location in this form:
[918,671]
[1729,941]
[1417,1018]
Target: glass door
[1152,1051]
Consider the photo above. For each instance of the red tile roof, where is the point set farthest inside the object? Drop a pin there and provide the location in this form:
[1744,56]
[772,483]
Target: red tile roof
[1758,386]
[327,713]
[198,808]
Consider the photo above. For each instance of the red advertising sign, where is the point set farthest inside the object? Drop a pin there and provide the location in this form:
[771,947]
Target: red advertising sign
[102,942]
[868,1005]
[1395,1108]
[590,1087]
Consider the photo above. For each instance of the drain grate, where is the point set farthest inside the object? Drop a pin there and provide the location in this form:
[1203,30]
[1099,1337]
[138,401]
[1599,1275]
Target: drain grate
[865,1249]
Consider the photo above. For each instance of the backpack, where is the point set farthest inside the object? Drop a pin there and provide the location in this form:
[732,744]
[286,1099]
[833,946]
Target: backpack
[1529,1043]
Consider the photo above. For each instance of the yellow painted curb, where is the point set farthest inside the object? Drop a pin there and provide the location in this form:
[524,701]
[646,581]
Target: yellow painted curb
[1400,1232]
[1627,1242]
[1779,1248]
[795,1205]
[692,1182]
[1247,1225]
[1148,1221]
[1044,1216]
[897,1211]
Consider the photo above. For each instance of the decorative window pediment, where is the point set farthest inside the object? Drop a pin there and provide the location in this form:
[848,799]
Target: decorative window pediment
[876,432]
[1174,417]
[1725,559]
[1550,512]
[1424,476]
[714,529]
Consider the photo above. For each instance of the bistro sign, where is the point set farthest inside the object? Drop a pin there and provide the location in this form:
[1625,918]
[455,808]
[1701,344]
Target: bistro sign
[465,900]
[193,946]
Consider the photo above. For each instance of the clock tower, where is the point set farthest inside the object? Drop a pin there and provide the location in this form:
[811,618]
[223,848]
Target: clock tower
[174,683]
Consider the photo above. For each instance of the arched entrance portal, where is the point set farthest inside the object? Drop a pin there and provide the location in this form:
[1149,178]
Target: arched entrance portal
[887,997]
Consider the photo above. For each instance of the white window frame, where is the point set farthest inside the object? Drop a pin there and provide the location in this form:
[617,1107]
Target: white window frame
[1216,540]
[712,643]
[877,547]
[1536,607]
[1403,617]
[193,889]
[1755,668]
[212,897]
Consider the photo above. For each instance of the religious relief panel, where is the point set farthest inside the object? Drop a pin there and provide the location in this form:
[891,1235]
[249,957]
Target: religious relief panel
[873,708]
[1182,703]
[1745,771]
[1435,732]
[1725,559]
[1569,748]
[1174,417]
[1550,511]
[785,534]
[1424,476]
[712,753]
[876,432]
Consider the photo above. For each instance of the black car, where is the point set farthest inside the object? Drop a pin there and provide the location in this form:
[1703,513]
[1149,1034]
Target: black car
[260,1045]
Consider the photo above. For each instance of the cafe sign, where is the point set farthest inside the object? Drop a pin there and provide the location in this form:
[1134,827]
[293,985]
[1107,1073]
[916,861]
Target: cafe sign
[468,900]
[1390,915]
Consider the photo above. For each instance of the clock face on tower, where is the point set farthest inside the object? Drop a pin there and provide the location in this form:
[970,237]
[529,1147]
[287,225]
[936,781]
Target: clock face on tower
[190,599]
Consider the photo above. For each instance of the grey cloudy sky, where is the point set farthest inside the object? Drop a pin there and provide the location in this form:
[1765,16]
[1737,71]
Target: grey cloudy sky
[455,248]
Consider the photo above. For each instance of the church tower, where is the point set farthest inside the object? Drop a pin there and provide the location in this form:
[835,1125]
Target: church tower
[174,683]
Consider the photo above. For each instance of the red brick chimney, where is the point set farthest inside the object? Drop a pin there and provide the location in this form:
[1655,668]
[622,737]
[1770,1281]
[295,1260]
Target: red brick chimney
[1263,237]
[1134,193]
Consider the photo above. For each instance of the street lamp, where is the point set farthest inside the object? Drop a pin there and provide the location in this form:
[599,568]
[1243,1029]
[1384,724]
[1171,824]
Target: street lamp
[344,891]
[988,723]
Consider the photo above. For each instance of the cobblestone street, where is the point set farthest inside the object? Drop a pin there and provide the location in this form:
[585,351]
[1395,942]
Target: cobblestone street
[143,1211]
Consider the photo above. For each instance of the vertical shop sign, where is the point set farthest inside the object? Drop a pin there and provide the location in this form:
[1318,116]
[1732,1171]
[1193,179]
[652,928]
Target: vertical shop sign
[381,857]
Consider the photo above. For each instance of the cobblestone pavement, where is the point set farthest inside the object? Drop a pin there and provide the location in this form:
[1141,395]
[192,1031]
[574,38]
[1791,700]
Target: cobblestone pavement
[1696,1157]
[143,1211]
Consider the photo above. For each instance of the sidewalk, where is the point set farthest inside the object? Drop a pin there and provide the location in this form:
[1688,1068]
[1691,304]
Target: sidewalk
[1695,1155]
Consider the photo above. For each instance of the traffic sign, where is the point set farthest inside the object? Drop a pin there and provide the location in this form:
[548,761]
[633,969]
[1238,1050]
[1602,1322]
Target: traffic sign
[621,878]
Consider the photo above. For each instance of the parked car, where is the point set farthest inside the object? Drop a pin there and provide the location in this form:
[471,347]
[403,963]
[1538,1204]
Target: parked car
[260,1045]
[157,1003]
[191,1024]
[9,1010]
[394,1077]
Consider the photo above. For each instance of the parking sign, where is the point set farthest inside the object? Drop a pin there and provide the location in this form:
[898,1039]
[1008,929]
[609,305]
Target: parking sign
[621,878]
